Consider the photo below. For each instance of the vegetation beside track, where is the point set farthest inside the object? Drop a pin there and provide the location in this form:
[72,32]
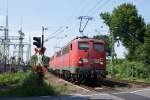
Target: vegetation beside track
[25,84]
[129,70]
[12,78]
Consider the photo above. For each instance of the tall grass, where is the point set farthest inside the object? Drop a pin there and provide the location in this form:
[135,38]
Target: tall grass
[28,86]
[12,78]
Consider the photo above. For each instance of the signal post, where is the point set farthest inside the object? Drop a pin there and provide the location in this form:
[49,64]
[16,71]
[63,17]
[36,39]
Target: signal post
[39,66]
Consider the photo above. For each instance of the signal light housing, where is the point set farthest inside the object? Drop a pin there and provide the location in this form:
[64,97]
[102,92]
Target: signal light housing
[37,41]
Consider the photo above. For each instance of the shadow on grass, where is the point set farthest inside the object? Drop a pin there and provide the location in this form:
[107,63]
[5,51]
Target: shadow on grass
[30,87]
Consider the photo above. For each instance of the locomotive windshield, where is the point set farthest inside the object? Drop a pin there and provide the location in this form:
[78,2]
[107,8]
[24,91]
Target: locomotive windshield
[98,47]
[83,46]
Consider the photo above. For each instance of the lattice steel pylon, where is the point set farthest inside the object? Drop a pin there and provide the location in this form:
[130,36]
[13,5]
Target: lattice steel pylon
[6,43]
[20,53]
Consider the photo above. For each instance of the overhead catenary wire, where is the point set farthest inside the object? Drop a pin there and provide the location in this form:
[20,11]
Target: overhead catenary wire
[99,8]
[81,10]
[95,6]
[54,34]
[73,15]
[84,4]
[93,10]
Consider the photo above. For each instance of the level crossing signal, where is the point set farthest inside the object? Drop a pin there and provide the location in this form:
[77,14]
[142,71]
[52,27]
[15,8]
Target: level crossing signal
[39,65]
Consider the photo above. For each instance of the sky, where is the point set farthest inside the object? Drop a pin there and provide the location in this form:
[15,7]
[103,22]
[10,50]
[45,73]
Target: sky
[62,16]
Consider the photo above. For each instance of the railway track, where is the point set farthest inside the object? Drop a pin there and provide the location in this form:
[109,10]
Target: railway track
[113,85]
[107,86]
[130,82]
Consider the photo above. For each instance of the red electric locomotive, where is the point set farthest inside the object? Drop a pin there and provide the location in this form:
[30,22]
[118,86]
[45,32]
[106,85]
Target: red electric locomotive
[83,58]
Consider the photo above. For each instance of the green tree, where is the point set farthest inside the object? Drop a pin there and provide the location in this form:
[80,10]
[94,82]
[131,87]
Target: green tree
[125,23]
[107,18]
[146,46]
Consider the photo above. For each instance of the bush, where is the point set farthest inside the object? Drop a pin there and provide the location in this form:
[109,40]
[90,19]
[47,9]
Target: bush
[130,70]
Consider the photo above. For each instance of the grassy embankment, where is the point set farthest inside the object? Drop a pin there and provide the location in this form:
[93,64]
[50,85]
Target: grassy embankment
[25,84]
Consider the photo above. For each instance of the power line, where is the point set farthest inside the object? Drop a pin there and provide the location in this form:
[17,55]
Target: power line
[81,10]
[95,6]
[53,35]
[101,6]
[83,4]
[84,7]
[92,11]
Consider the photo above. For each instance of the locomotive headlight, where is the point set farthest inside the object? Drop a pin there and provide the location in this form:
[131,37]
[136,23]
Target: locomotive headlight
[101,63]
[80,62]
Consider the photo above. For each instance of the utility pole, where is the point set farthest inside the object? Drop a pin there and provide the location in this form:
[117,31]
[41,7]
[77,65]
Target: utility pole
[81,18]
[43,29]
[29,50]
[113,50]
[112,54]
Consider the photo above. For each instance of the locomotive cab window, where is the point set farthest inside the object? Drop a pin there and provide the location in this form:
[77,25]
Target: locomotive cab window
[83,46]
[98,47]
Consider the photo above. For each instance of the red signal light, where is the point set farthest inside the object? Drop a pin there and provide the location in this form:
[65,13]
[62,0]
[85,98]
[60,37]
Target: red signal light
[36,50]
[43,50]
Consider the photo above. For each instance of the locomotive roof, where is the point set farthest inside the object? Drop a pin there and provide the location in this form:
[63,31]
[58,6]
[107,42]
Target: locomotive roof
[84,38]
